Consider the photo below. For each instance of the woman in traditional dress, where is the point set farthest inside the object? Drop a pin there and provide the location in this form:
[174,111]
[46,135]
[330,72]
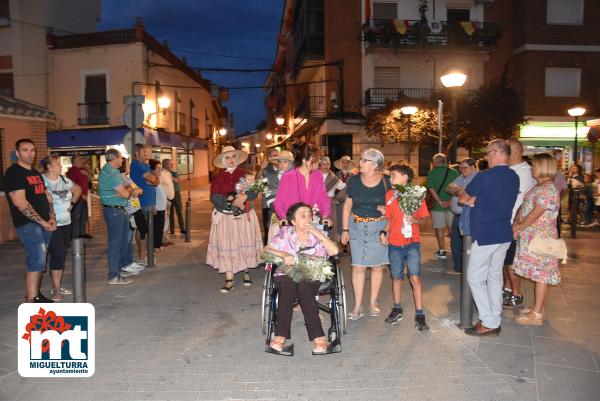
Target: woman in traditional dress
[537,218]
[235,242]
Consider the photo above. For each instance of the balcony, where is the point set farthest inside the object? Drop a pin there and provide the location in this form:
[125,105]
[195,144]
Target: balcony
[377,98]
[311,107]
[417,34]
[92,113]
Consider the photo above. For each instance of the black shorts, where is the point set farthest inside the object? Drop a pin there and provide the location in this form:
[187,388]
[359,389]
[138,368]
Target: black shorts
[509,259]
[141,223]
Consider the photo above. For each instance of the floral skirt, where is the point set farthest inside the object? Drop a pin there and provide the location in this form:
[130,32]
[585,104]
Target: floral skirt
[540,269]
[235,242]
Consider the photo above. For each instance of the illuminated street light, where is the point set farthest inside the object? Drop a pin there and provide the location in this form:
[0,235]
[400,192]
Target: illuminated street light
[164,102]
[454,78]
[223,131]
[269,136]
[409,110]
[280,120]
[576,111]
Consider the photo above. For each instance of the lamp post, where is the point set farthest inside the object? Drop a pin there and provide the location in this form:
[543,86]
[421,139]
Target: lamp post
[409,111]
[576,111]
[279,120]
[454,78]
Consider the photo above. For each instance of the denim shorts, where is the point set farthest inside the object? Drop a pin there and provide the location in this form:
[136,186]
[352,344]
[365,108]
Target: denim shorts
[409,254]
[35,240]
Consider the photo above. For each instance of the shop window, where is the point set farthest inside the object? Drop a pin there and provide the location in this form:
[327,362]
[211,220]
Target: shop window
[385,10]
[6,84]
[564,12]
[563,82]
[182,159]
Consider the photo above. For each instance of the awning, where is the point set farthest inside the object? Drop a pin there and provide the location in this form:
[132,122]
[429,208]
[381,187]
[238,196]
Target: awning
[102,137]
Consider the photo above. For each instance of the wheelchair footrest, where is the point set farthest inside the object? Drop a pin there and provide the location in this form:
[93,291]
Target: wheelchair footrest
[288,350]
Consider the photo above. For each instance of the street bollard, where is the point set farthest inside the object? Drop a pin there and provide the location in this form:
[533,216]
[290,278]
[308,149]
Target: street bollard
[188,220]
[150,238]
[78,271]
[466,298]
[574,211]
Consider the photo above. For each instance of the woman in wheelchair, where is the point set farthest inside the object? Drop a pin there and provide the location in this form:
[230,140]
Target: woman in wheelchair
[299,238]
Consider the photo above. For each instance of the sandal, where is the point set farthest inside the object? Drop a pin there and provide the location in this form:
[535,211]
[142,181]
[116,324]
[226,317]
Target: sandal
[355,315]
[277,343]
[227,288]
[374,309]
[531,318]
[247,281]
[320,345]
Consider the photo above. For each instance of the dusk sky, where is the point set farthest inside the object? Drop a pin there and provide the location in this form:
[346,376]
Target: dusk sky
[240,28]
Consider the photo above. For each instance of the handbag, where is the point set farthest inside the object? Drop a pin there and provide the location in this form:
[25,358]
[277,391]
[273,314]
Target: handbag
[429,199]
[549,247]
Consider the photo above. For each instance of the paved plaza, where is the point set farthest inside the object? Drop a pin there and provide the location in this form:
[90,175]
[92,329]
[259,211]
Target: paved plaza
[172,336]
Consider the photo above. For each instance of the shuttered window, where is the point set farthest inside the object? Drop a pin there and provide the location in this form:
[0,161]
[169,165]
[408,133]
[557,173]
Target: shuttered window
[385,10]
[387,77]
[564,12]
[564,82]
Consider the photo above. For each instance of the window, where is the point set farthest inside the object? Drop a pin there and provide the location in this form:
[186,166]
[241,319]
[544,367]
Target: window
[1,161]
[385,10]
[4,13]
[182,158]
[387,77]
[6,84]
[458,15]
[564,82]
[564,12]
[94,110]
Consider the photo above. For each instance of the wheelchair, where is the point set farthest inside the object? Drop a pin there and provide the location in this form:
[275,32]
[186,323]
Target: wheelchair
[332,300]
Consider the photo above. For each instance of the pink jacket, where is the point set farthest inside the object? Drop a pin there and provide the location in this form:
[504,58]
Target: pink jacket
[292,189]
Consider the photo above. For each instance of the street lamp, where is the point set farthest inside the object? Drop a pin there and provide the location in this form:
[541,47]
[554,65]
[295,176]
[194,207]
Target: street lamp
[164,102]
[223,131]
[409,111]
[279,120]
[454,78]
[576,111]
[269,136]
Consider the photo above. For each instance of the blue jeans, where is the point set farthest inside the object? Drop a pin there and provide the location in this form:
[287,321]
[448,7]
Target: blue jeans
[129,251]
[117,222]
[456,243]
[411,254]
[588,210]
[35,240]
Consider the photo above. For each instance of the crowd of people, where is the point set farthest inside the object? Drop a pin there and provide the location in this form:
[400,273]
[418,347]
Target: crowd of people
[502,202]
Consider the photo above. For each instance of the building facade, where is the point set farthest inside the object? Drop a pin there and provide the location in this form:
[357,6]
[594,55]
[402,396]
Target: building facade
[359,56]
[551,52]
[91,74]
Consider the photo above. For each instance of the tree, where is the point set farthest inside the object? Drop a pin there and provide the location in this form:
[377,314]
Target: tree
[488,113]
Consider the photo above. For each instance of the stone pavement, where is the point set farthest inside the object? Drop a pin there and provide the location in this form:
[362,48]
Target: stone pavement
[172,336]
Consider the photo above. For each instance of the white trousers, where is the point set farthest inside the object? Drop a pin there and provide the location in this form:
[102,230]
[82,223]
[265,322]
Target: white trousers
[485,279]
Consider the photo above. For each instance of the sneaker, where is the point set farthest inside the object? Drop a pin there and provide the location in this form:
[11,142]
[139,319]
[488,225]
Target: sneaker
[512,301]
[395,316]
[119,280]
[506,293]
[142,262]
[441,254]
[57,295]
[420,323]
[133,268]
[41,299]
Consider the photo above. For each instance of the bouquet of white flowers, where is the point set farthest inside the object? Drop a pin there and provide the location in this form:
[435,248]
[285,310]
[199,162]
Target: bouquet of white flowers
[309,268]
[410,197]
[260,186]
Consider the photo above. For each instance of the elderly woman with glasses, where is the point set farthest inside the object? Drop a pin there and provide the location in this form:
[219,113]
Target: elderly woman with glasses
[363,219]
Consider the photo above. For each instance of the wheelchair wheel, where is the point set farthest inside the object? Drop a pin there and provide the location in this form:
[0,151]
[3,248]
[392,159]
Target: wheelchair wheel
[271,314]
[341,301]
[266,301]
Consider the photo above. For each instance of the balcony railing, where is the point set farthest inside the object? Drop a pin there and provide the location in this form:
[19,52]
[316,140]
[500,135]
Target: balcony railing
[377,98]
[92,113]
[397,33]
[311,106]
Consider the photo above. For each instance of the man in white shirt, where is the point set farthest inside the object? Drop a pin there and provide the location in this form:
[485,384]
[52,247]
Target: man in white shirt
[166,183]
[512,283]
[332,184]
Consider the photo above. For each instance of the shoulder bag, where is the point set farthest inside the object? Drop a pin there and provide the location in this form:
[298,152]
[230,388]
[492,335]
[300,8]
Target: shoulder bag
[429,199]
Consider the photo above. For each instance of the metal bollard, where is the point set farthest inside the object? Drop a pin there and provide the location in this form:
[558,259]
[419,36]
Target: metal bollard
[466,298]
[188,220]
[78,271]
[574,211]
[150,238]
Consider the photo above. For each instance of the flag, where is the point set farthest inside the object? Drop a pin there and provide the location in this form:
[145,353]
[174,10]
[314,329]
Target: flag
[401,26]
[469,27]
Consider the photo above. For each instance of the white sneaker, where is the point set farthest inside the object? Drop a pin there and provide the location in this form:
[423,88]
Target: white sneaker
[131,269]
[137,266]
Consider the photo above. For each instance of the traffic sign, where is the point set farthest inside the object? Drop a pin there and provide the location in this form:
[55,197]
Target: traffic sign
[128,117]
[593,134]
[139,138]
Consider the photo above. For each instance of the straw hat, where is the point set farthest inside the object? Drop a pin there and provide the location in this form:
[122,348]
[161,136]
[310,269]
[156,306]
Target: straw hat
[283,155]
[338,162]
[240,156]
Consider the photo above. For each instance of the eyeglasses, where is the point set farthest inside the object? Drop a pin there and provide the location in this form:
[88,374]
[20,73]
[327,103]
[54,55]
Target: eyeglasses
[366,160]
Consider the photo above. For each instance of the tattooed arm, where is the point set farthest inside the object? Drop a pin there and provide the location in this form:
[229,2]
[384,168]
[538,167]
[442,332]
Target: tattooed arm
[18,199]
[52,219]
